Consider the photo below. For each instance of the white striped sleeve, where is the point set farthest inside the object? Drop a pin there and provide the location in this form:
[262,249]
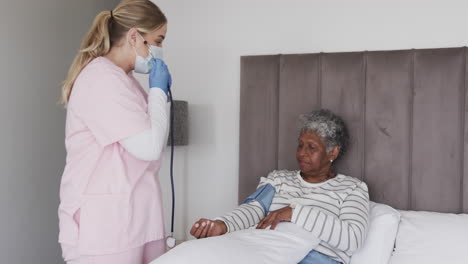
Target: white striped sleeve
[270,179]
[251,213]
[243,217]
[346,233]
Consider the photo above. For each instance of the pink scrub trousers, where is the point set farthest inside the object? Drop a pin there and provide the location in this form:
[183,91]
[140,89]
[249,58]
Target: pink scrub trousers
[140,255]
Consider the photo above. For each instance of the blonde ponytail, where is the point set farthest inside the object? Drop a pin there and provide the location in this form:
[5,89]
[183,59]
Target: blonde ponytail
[107,30]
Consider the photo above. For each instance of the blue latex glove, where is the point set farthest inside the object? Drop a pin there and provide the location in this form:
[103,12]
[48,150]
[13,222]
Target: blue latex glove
[160,77]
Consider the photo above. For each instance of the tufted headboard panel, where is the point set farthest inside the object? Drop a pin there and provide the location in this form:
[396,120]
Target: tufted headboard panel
[405,111]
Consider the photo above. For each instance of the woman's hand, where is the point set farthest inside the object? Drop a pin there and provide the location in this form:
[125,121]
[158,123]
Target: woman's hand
[208,228]
[280,215]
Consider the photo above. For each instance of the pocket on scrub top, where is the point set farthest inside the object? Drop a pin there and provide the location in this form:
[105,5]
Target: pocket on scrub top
[103,224]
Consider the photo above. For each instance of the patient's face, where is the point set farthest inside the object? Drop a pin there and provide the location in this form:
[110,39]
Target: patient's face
[311,154]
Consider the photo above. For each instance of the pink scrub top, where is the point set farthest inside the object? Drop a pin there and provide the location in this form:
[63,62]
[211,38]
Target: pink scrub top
[115,196]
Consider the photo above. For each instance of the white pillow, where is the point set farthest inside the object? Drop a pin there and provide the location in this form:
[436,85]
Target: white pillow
[431,238]
[380,240]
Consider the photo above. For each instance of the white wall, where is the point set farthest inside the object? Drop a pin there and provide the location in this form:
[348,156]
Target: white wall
[39,41]
[207,37]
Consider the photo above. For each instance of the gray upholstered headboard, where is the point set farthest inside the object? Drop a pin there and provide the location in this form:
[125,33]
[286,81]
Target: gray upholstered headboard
[405,111]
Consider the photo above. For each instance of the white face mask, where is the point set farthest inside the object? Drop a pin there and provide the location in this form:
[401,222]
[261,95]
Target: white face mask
[144,65]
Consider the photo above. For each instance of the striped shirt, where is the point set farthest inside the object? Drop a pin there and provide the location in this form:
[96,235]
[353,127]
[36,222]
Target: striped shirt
[336,211]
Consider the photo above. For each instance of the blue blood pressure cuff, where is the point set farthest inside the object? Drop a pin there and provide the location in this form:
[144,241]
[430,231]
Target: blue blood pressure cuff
[264,196]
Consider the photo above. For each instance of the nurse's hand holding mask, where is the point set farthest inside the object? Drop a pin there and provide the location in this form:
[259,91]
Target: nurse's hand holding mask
[159,76]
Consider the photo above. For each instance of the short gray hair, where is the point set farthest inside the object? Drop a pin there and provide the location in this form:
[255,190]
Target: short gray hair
[330,127]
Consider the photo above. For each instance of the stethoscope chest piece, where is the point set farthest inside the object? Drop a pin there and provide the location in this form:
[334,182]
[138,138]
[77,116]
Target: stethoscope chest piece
[170,242]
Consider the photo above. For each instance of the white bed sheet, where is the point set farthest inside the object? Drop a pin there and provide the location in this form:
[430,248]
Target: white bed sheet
[288,244]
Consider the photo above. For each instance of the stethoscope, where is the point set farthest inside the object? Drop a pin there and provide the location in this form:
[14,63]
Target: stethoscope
[170,240]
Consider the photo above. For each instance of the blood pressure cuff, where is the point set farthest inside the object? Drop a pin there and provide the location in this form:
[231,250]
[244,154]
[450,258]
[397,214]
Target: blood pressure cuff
[264,196]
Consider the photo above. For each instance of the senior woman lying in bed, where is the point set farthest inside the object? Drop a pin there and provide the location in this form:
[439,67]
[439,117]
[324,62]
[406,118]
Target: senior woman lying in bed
[334,207]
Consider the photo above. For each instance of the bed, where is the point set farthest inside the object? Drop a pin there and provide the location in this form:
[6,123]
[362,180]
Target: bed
[405,111]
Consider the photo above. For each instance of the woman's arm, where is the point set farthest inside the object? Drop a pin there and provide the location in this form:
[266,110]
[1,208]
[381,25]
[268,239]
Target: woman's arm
[254,208]
[248,214]
[243,217]
[346,233]
[149,144]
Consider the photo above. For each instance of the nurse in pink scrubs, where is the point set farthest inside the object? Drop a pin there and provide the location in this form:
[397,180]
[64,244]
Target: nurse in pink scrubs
[110,199]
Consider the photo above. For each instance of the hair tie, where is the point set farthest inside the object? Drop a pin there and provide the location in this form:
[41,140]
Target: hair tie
[112,15]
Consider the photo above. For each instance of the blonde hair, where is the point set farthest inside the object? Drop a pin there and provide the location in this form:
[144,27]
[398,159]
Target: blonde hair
[107,30]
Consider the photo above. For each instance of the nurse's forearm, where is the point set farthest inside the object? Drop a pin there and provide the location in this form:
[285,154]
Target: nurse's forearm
[149,144]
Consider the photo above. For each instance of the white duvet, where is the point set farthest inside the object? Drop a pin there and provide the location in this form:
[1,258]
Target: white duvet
[288,244]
